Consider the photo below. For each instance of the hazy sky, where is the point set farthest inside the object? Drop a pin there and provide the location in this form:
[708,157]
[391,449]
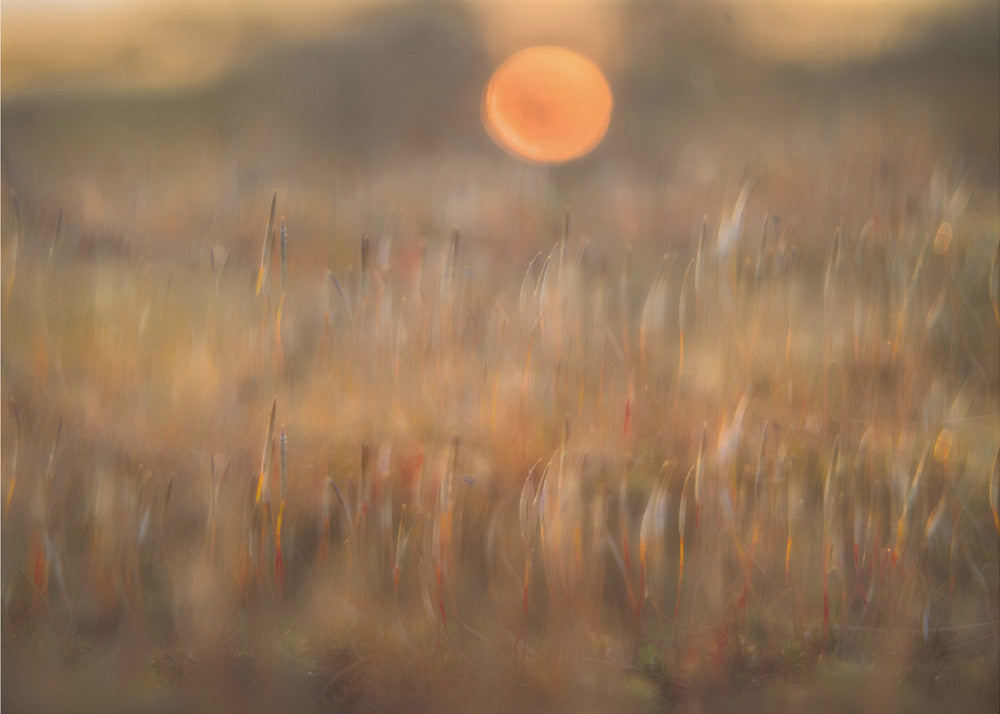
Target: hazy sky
[128,43]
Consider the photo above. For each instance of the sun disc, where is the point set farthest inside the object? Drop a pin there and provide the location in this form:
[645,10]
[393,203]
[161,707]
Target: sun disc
[547,104]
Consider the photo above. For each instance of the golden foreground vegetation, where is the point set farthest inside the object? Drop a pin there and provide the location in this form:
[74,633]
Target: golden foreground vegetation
[424,472]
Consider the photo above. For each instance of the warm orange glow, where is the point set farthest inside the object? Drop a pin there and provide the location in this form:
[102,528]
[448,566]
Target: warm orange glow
[547,104]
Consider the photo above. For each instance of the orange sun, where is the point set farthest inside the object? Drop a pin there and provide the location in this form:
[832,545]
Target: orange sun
[547,104]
